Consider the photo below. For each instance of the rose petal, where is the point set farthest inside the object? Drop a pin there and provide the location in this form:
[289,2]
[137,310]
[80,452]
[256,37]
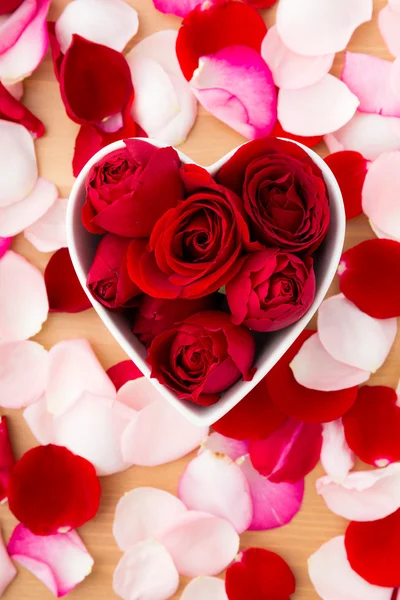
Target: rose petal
[289,453]
[314,368]
[334,579]
[336,457]
[317,109]
[18,171]
[142,513]
[5,243]
[216,485]
[73,369]
[63,287]
[146,571]
[315,27]
[49,232]
[12,110]
[349,169]
[7,569]
[20,14]
[123,372]
[109,22]
[59,561]
[363,495]
[394,4]
[394,79]
[290,70]
[309,141]
[229,85]
[15,88]
[180,8]
[200,588]
[16,217]
[21,314]
[6,465]
[40,421]
[219,444]
[23,373]
[366,277]
[200,544]
[389,23]
[137,393]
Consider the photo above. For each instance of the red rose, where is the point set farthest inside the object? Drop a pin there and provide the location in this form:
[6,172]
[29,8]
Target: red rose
[156,315]
[129,189]
[202,357]
[194,248]
[108,278]
[283,191]
[272,290]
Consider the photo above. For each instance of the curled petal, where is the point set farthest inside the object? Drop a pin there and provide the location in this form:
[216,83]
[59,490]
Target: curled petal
[123,372]
[219,444]
[336,457]
[350,169]
[7,569]
[23,373]
[6,465]
[63,287]
[205,587]
[389,23]
[18,170]
[49,232]
[12,110]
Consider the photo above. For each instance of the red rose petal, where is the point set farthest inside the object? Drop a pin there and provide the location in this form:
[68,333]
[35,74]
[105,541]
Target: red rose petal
[64,291]
[123,372]
[259,575]
[350,169]
[6,458]
[51,490]
[12,110]
[373,550]
[8,6]
[212,26]
[310,141]
[302,403]
[372,426]
[367,277]
[255,417]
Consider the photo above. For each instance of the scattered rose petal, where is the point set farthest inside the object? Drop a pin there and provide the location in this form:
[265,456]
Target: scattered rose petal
[180,8]
[146,571]
[213,483]
[123,372]
[394,4]
[6,464]
[289,453]
[23,373]
[49,232]
[5,243]
[394,79]
[334,579]
[63,287]
[366,277]
[22,314]
[7,569]
[315,27]
[372,426]
[59,561]
[336,457]
[142,513]
[12,110]
[349,169]
[219,444]
[40,421]
[16,88]
[202,588]
[137,393]
[389,24]
[18,171]
[292,71]
[317,109]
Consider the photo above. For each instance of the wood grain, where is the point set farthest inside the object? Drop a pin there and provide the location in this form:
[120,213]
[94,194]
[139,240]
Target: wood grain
[209,140]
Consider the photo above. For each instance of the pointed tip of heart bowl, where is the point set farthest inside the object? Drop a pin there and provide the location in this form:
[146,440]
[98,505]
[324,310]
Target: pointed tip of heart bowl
[82,246]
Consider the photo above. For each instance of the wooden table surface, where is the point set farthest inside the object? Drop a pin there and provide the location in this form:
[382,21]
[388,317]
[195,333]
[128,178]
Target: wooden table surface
[209,140]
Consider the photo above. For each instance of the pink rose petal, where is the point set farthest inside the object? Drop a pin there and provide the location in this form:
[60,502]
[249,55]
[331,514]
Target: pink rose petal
[60,561]
[334,579]
[213,483]
[315,27]
[317,109]
[23,373]
[13,24]
[23,299]
[164,105]
[314,368]
[142,513]
[138,393]
[292,71]
[73,369]
[389,26]
[230,83]
[336,457]
[394,4]
[40,421]
[7,569]
[146,572]
[49,232]
[5,243]
[18,168]
[205,588]
[363,495]
[381,234]
[16,217]
[109,22]
[219,444]
[123,372]
[180,8]
[354,337]
[200,544]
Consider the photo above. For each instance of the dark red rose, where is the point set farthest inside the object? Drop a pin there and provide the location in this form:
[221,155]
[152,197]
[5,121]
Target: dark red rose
[129,189]
[272,290]
[284,193]
[202,357]
[156,315]
[194,248]
[108,278]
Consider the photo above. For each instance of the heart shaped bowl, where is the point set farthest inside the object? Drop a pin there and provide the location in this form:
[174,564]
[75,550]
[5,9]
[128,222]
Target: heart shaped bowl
[270,346]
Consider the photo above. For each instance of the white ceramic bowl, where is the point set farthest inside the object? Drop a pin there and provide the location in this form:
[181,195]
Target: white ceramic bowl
[82,246]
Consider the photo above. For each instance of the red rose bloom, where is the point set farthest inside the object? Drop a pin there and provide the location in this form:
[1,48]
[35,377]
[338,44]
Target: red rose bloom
[283,191]
[202,357]
[195,246]
[272,290]
[129,189]
[108,278]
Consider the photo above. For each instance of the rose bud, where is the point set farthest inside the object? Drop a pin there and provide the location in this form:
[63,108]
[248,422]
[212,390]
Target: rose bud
[156,315]
[194,248]
[202,356]
[129,189]
[284,193]
[108,278]
[272,290]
